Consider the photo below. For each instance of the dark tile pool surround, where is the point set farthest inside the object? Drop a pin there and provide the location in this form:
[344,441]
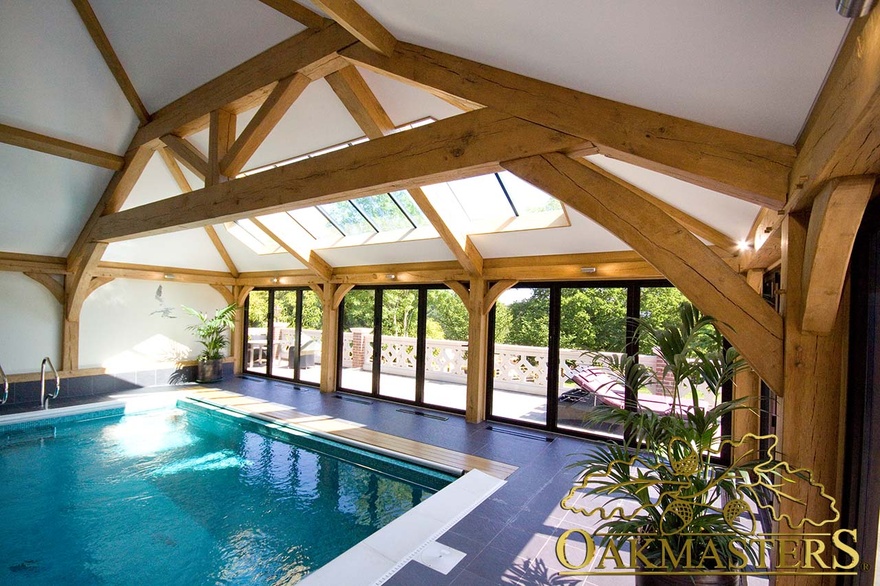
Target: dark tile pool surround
[509,539]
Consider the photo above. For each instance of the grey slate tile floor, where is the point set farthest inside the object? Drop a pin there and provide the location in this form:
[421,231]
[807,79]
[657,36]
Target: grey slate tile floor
[509,539]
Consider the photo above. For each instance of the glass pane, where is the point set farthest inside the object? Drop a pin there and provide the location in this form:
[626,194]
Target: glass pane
[399,328]
[522,324]
[251,236]
[383,212]
[592,322]
[481,198]
[258,325]
[347,218]
[310,338]
[357,341]
[527,198]
[410,207]
[284,333]
[314,223]
[659,307]
[446,350]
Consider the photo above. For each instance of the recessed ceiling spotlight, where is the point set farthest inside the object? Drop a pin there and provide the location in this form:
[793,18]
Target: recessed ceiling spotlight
[588,270]
[169,276]
[391,277]
[743,245]
[274,279]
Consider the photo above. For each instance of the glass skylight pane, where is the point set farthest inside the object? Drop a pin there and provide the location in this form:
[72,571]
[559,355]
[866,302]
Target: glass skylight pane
[347,218]
[383,212]
[481,198]
[315,223]
[527,198]
[252,237]
[410,207]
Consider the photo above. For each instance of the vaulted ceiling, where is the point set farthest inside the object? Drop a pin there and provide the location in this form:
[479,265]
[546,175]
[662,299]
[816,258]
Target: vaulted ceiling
[753,68]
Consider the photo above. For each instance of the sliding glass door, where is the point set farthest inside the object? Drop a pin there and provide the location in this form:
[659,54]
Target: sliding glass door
[548,342]
[405,343]
[284,334]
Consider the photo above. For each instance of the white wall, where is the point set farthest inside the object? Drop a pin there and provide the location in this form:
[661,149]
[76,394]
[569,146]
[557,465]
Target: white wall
[126,324]
[30,324]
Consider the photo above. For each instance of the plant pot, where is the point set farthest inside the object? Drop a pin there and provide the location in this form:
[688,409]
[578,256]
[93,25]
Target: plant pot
[210,371]
[698,579]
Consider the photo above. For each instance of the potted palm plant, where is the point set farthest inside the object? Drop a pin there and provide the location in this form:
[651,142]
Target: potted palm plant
[665,484]
[211,332]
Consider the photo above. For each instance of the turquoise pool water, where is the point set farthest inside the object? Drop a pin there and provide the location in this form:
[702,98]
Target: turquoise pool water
[175,497]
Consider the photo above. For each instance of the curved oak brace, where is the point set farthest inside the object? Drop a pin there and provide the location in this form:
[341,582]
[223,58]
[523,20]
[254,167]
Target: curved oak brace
[228,296]
[341,291]
[54,287]
[749,322]
[494,293]
[834,222]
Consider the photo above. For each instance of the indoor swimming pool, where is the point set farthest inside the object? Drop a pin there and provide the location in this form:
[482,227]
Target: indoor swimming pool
[189,496]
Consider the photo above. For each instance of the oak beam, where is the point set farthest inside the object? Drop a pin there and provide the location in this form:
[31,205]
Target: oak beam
[361,103]
[187,153]
[60,148]
[96,283]
[270,113]
[751,325]
[841,136]
[54,287]
[174,168]
[283,60]
[117,270]
[746,167]
[32,263]
[360,23]
[221,250]
[571,267]
[310,258]
[459,289]
[468,256]
[462,146]
[834,222]
[299,13]
[96,31]
[221,135]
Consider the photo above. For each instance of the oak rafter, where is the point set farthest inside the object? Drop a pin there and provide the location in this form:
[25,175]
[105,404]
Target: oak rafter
[743,166]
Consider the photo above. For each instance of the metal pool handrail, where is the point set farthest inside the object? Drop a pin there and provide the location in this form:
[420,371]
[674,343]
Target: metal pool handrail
[44,398]
[5,386]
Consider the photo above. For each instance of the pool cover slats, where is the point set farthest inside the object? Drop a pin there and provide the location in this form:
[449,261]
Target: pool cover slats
[353,431]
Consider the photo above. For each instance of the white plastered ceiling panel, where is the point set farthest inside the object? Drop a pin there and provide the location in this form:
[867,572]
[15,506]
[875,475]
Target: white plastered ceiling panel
[317,119]
[584,235]
[55,81]
[45,201]
[429,250]
[753,67]
[728,215]
[187,249]
[405,103]
[169,47]
[154,184]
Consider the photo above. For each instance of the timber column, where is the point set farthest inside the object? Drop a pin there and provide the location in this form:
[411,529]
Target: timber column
[812,426]
[478,341]
[329,334]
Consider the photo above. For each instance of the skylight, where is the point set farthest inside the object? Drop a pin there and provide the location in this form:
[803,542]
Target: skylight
[482,198]
[526,198]
[252,237]
[383,213]
[347,218]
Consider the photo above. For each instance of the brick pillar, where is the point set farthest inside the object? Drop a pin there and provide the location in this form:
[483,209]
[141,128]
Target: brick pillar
[358,346]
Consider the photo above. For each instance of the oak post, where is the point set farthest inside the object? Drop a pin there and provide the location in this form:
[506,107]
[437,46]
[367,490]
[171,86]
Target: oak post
[811,427]
[329,335]
[478,341]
